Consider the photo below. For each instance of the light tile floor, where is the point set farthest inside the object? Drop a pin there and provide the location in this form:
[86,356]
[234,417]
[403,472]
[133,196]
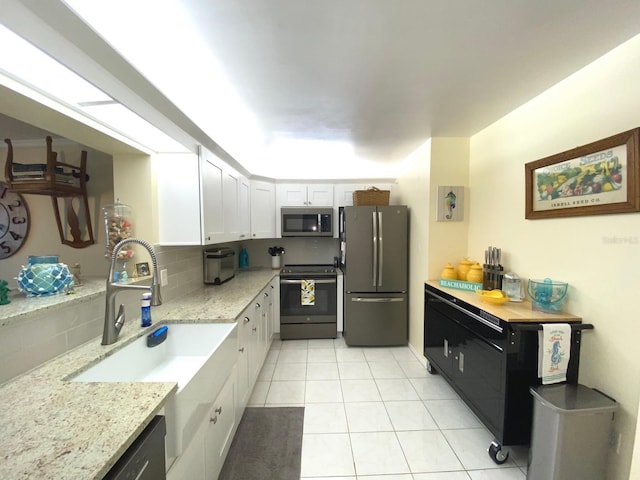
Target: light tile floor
[376,414]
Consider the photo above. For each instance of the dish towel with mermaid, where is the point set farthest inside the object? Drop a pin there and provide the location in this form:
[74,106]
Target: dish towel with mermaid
[554,351]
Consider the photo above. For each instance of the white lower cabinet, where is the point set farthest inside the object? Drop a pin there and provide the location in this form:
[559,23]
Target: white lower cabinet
[222,426]
[204,457]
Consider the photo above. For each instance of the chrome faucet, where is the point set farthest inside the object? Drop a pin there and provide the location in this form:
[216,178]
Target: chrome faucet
[112,323]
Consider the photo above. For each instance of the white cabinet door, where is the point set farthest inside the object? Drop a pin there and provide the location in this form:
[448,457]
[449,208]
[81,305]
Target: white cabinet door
[212,198]
[244,208]
[191,463]
[178,180]
[244,339]
[320,195]
[304,195]
[343,194]
[256,345]
[231,186]
[222,426]
[291,195]
[263,209]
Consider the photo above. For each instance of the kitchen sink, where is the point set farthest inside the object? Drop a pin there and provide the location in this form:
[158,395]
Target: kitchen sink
[198,357]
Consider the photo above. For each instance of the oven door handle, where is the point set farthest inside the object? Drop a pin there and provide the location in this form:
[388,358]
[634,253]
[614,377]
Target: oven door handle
[377,300]
[330,280]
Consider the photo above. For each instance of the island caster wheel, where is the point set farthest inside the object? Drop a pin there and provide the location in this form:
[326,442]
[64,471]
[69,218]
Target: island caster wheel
[497,454]
[431,369]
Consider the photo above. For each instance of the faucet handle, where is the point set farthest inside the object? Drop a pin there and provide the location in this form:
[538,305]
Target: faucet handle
[120,318]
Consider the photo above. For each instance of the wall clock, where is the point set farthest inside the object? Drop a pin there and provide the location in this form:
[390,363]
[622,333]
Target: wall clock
[14,221]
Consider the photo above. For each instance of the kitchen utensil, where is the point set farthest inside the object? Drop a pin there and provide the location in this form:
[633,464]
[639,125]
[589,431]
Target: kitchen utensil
[547,295]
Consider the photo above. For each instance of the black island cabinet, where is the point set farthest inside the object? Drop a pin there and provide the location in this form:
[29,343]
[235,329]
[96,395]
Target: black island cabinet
[489,355]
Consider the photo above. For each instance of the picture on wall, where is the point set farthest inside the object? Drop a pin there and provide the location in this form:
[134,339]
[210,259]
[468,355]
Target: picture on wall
[599,178]
[450,204]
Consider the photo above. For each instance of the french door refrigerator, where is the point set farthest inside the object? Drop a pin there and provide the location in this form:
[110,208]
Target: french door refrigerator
[374,259]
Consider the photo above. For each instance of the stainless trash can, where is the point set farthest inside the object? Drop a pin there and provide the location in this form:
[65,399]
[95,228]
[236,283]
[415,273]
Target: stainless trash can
[570,434]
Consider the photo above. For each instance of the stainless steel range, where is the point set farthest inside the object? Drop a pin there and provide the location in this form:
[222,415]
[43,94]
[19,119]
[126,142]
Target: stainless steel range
[308,302]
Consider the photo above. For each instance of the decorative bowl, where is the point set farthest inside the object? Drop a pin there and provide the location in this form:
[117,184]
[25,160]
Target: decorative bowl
[44,275]
[496,297]
[547,295]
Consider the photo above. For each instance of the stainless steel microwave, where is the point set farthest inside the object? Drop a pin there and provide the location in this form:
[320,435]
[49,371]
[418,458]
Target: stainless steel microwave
[307,222]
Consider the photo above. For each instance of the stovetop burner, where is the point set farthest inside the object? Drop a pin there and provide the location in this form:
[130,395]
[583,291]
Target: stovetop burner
[309,269]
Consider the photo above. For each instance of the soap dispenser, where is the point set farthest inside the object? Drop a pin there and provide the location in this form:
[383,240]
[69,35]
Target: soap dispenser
[243,258]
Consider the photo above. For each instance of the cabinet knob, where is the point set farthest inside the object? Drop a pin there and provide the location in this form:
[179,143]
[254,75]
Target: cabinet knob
[218,410]
[247,319]
[213,419]
[255,329]
[257,305]
[266,294]
[241,349]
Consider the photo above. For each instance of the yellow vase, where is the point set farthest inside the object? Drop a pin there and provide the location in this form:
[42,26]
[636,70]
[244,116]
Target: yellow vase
[463,268]
[475,273]
[449,272]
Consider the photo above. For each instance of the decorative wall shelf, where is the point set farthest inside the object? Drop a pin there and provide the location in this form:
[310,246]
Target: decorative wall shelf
[66,184]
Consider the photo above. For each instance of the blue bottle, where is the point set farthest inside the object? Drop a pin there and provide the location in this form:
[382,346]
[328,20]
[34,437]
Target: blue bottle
[243,258]
[145,313]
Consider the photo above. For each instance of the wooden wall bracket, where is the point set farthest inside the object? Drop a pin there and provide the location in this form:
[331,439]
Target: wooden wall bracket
[64,183]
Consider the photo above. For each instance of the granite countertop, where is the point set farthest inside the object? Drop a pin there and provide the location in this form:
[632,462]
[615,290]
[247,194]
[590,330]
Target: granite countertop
[509,312]
[53,428]
[22,306]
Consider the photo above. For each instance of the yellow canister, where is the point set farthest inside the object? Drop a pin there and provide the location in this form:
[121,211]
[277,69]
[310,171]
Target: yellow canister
[475,273]
[463,268]
[449,272]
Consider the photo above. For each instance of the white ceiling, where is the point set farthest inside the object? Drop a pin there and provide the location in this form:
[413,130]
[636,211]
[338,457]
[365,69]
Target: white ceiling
[352,80]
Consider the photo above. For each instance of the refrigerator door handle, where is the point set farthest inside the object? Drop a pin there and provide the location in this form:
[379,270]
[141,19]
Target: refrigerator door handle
[374,225]
[377,300]
[299,282]
[381,250]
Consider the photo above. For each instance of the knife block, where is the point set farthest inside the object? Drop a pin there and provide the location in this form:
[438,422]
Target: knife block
[492,277]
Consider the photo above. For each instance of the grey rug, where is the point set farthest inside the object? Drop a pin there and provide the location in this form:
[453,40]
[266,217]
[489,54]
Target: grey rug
[267,445]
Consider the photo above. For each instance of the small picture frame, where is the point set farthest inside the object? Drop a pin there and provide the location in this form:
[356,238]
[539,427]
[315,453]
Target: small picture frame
[142,269]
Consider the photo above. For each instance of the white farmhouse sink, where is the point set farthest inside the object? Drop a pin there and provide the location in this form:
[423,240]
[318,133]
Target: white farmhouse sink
[198,357]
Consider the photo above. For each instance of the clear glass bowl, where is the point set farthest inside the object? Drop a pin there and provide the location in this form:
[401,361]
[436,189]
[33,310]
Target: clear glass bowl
[547,295]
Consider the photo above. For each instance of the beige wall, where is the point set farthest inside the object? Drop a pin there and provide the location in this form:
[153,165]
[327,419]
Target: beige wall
[439,162]
[449,167]
[597,255]
[413,190]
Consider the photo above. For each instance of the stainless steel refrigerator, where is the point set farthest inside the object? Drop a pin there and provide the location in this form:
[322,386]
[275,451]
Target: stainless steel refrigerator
[374,258]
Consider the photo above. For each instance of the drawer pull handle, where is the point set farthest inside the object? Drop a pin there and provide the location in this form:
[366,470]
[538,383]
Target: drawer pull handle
[218,410]
[461,363]
[241,349]
[214,419]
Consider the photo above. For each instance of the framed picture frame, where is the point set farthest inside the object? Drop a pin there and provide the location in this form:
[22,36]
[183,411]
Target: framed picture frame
[142,269]
[600,178]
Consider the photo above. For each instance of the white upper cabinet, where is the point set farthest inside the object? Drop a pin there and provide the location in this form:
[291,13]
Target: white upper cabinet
[213,196]
[244,207]
[343,194]
[178,181]
[231,187]
[304,195]
[263,209]
[226,208]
